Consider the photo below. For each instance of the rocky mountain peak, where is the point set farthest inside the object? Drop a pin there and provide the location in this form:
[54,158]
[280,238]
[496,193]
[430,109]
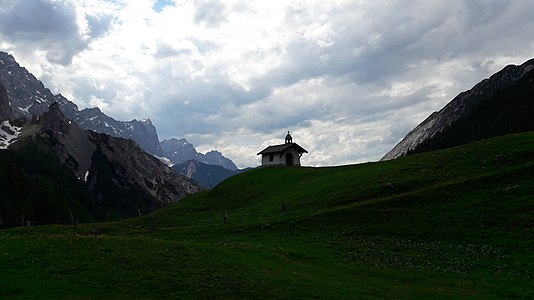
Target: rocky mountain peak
[174,144]
[180,151]
[215,157]
[55,120]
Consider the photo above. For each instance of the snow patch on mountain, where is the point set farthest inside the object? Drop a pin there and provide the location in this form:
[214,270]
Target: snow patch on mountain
[8,134]
[165,160]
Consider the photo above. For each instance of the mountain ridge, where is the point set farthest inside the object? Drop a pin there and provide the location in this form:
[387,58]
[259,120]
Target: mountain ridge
[493,97]
[29,97]
[180,151]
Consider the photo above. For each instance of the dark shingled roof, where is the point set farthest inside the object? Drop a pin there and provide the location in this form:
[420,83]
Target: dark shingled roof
[282,148]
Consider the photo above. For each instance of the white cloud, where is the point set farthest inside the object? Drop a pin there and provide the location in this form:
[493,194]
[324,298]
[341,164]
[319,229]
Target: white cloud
[348,78]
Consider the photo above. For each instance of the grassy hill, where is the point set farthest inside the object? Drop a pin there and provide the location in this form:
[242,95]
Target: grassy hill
[452,223]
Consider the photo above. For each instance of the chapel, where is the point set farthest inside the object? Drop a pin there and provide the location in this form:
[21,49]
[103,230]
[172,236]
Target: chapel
[286,154]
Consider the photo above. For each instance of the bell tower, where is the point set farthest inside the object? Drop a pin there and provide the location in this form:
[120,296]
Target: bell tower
[289,138]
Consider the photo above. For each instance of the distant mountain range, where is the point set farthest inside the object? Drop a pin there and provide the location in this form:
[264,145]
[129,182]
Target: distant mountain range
[180,151]
[28,97]
[207,175]
[501,104]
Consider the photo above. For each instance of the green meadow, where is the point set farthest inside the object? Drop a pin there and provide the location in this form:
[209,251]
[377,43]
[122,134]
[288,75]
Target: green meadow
[455,223]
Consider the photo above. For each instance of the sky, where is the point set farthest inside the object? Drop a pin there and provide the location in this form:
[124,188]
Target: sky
[349,79]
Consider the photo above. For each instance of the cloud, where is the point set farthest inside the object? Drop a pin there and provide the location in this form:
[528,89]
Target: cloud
[209,12]
[48,25]
[348,78]
[55,27]
[99,24]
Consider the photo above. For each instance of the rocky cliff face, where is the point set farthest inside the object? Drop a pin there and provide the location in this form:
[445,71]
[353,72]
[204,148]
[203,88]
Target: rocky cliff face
[498,105]
[5,109]
[28,97]
[116,173]
[180,151]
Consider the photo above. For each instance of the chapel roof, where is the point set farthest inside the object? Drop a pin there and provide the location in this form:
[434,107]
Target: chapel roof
[282,148]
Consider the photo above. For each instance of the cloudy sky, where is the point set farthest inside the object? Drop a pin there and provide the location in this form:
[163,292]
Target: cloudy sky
[348,78]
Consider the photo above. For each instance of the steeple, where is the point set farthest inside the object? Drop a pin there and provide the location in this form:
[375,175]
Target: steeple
[289,139]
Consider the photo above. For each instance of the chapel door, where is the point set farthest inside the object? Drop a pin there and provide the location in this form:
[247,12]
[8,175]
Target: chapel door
[289,159]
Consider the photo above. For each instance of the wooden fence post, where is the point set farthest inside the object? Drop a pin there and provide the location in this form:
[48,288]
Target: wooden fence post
[225,217]
[28,227]
[139,212]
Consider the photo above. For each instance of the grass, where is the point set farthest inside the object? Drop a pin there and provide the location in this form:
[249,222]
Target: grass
[452,223]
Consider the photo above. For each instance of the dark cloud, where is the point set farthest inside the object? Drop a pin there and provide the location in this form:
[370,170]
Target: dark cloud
[50,26]
[43,24]
[39,19]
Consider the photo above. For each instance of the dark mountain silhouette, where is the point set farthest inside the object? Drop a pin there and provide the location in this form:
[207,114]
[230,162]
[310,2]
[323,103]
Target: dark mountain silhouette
[92,175]
[501,104]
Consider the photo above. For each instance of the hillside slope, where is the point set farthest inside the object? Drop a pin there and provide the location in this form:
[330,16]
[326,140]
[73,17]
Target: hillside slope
[451,223]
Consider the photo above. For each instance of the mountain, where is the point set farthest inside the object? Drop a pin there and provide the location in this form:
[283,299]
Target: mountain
[208,176]
[180,151]
[501,104]
[6,113]
[215,157]
[8,132]
[116,175]
[28,97]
